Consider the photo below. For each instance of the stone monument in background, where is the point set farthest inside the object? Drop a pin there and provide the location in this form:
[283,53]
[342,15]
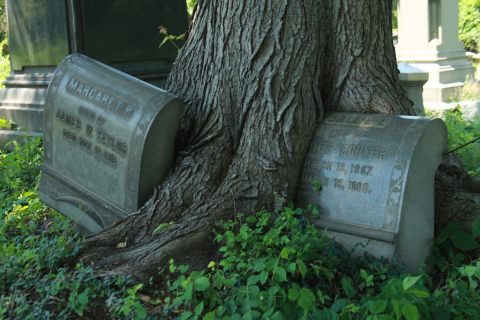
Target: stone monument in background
[122,34]
[428,42]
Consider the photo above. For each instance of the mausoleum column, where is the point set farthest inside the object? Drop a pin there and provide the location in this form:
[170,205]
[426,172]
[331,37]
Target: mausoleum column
[428,40]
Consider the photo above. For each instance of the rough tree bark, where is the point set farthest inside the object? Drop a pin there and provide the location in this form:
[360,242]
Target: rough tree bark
[257,77]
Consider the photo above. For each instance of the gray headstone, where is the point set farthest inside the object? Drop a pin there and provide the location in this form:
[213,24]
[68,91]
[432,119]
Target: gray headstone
[377,176]
[123,34]
[108,140]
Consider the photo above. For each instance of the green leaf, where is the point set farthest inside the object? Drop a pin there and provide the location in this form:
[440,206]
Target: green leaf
[263,277]
[209,316]
[306,299]
[259,265]
[277,316]
[253,280]
[378,306]
[199,309]
[285,252]
[476,228]
[186,315]
[447,232]
[188,292]
[302,268]
[293,294]
[363,274]
[201,284]
[348,287]
[410,311]
[409,282]
[292,267]
[464,241]
[280,274]
[161,227]
[419,293]
[251,219]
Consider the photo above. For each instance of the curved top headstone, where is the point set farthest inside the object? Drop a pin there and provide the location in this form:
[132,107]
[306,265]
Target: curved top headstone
[377,181]
[109,140]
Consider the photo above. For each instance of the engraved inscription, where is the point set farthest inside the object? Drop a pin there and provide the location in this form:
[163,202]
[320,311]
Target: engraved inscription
[112,143]
[101,99]
[352,171]
[357,151]
[70,120]
[342,133]
[87,130]
[323,148]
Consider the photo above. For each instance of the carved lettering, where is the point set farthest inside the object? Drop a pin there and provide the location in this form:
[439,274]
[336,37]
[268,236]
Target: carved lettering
[364,170]
[102,99]
[114,144]
[87,114]
[358,186]
[342,167]
[339,184]
[85,144]
[362,151]
[68,119]
[69,135]
[335,133]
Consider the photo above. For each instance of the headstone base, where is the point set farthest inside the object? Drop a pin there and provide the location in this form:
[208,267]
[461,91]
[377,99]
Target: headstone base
[22,101]
[412,81]
[446,76]
[64,195]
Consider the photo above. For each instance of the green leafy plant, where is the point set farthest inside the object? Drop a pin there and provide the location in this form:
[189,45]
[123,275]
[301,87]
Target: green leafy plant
[4,57]
[270,265]
[6,124]
[35,241]
[469,24]
[174,40]
[191,6]
[461,131]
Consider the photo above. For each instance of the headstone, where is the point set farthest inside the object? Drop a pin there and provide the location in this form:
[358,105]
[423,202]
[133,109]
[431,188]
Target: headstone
[428,40]
[108,141]
[123,34]
[377,177]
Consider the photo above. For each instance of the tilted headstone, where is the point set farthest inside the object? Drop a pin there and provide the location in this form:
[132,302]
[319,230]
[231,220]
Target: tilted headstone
[376,174]
[108,141]
[123,34]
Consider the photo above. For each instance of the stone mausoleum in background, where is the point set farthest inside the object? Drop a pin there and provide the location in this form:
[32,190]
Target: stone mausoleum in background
[122,34]
[429,51]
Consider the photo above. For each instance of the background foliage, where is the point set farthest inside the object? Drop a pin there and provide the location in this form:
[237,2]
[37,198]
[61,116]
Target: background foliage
[3,21]
[469,24]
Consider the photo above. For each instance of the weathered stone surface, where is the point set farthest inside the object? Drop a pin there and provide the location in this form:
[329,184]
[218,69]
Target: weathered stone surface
[108,139]
[38,32]
[377,176]
[122,34]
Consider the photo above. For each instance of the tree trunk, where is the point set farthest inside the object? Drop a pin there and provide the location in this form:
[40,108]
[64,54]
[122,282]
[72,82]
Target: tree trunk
[257,78]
